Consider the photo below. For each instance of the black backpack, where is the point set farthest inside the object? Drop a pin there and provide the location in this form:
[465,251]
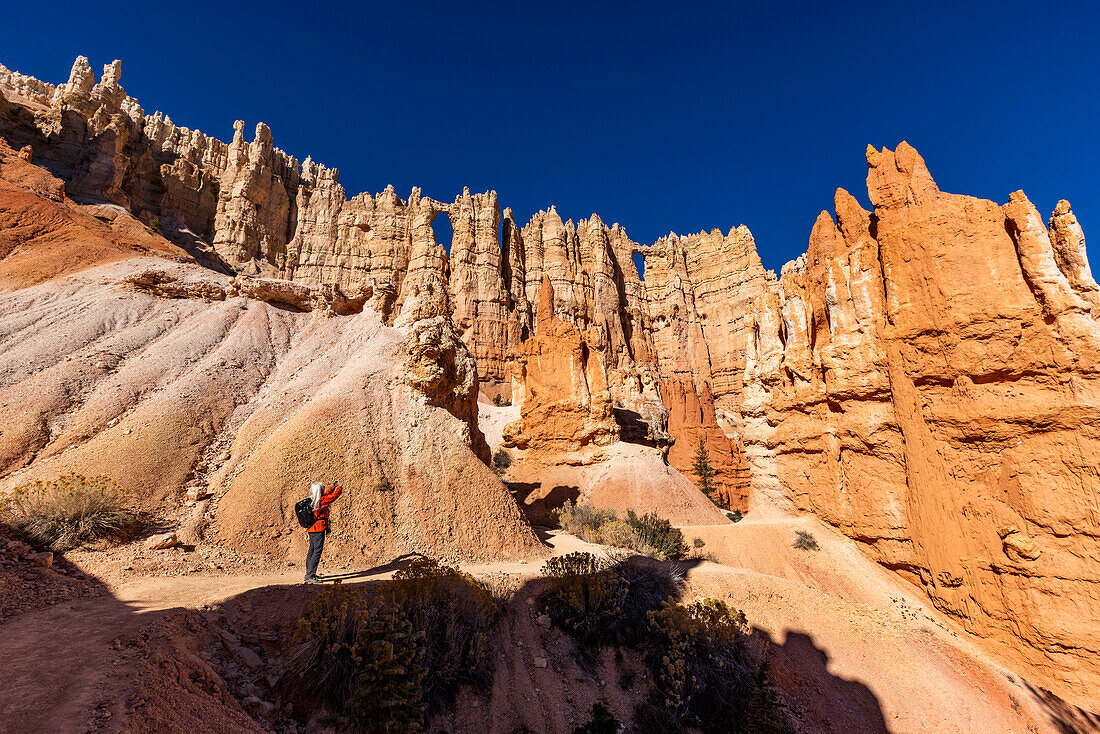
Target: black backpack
[304,511]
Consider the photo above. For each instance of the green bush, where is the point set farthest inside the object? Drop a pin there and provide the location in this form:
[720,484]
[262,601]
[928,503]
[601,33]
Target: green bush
[649,535]
[704,675]
[70,511]
[385,661]
[736,515]
[805,541]
[501,459]
[501,401]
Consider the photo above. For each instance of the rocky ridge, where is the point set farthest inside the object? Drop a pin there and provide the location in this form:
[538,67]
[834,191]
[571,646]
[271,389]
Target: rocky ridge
[249,208]
[926,378]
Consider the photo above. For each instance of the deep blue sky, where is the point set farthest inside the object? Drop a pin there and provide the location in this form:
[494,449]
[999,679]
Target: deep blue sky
[659,116]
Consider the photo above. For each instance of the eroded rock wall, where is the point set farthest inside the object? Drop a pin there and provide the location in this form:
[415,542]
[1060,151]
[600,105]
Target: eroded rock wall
[927,379]
[249,208]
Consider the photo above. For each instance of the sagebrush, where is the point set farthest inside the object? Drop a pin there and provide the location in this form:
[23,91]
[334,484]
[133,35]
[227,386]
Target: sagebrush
[704,674]
[705,677]
[384,661]
[599,602]
[360,660]
[648,535]
[72,510]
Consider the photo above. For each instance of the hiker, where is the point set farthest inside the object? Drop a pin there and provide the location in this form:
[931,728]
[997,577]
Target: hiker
[320,499]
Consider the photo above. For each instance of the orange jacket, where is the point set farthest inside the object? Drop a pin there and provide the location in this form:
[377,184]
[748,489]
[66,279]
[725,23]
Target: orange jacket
[321,513]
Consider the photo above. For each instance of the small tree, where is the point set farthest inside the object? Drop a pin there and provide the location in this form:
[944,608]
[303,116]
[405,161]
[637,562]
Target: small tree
[702,468]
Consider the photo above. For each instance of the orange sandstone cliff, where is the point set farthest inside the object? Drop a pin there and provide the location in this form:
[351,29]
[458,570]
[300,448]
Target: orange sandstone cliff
[927,379]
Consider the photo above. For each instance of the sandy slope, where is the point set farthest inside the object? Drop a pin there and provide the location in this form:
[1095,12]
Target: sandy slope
[858,648]
[246,401]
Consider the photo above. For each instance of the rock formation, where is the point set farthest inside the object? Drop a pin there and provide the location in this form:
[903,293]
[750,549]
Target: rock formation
[927,379]
[924,378]
[566,403]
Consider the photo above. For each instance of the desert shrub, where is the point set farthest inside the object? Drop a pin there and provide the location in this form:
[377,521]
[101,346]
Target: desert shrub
[621,535]
[649,535]
[456,614]
[600,721]
[383,662]
[71,510]
[703,672]
[154,224]
[584,598]
[735,516]
[501,401]
[658,533]
[698,542]
[805,541]
[501,459]
[391,672]
[597,602]
[649,585]
[574,518]
[362,660]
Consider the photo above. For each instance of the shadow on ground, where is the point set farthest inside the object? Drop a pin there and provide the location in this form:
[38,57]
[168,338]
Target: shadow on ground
[98,664]
[538,504]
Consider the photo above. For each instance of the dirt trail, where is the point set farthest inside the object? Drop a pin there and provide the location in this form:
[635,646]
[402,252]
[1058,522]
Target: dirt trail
[856,650]
[59,663]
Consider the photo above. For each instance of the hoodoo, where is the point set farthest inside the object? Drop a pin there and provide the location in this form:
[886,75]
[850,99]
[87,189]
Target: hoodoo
[924,380]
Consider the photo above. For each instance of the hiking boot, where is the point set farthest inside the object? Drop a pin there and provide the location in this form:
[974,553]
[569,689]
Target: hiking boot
[312,580]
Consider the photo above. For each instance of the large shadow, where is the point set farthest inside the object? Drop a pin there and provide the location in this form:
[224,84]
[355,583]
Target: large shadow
[539,505]
[214,668]
[824,702]
[1066,717]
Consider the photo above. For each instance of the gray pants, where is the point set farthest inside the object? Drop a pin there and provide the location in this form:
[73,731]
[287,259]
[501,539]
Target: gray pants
[313,557]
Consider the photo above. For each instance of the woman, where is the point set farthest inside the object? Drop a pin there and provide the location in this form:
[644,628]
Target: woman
[321,500]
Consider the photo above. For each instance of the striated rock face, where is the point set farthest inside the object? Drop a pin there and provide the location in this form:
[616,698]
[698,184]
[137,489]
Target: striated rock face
[566,403]
[927,379]
[251,220]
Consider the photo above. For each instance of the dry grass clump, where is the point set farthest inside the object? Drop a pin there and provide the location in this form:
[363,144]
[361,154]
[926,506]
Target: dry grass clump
[805,541]
[70,511]
[647,534]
